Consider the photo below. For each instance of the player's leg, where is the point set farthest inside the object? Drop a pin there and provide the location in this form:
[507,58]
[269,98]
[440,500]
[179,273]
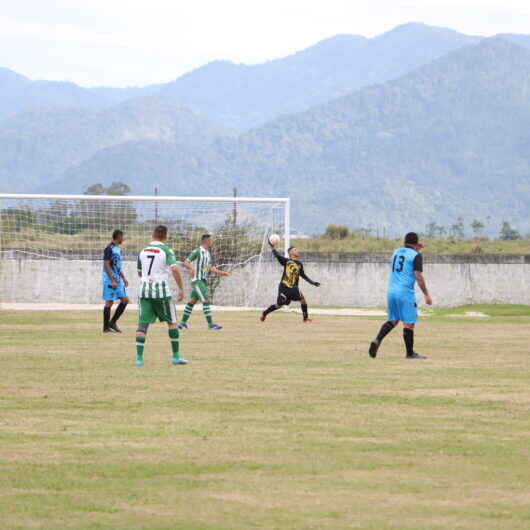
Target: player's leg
[146,316]
[187,310]
[168,314]
[124,300]
[410,317]
[108,296]
[303,305]
[201,288]
[392,321]
[280,301]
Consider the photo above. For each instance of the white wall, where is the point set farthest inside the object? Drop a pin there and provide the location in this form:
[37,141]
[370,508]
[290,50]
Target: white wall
[343,284]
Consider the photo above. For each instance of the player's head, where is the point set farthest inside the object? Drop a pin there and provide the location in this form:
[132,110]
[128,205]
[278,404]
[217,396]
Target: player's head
[412,240]
[117,237]
[160,233]
[206,240]
[293,252]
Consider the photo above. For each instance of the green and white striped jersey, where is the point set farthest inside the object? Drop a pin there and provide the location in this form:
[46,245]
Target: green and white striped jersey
[202,258]
[154,262]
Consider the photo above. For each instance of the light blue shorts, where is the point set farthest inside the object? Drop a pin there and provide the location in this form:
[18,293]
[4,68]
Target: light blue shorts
[113,294]
[402,306]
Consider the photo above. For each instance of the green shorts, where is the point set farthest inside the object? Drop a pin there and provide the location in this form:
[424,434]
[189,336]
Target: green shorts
[162,309]
[200,290]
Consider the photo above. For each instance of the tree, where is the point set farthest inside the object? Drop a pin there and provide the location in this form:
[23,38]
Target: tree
[120,214]
[95,189]
[433,230]
[337,232]
[477,227]
[508,233]
[457,230]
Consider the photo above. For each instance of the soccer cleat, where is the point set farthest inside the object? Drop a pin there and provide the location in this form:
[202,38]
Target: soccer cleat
[216,327]
[182,325]
[108,330]
[114,327]
[263,317]
[139,361]
[416,356]
[372,350]
[308,320]
[178,360]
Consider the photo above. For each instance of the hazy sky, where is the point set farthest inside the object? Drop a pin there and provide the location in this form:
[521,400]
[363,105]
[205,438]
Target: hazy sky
[137,42]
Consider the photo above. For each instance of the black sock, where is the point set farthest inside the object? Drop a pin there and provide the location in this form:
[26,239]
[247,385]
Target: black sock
[118,313]
[408,337]
[106,317]
[386,328]
[270,309]
[304,310]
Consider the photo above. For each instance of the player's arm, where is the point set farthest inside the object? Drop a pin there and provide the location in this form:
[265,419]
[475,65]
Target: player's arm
[125,281]
[139,266]
[282,259]
[418,273]
[307,279]
[217,271]
[107,257]
[178,280]
[187,263]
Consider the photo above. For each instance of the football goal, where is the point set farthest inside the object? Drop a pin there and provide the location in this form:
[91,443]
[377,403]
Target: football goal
[51,245]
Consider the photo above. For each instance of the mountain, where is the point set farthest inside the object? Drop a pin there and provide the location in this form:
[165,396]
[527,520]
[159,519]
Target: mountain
[247,96]
[451,138]
[18,93]
[38,146]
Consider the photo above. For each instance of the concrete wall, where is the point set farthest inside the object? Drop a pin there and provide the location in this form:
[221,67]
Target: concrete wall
[347,280]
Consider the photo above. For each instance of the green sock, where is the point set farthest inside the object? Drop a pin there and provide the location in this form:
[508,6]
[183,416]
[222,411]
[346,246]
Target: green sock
[207,313]
[174,339]
[187,313]
[140,343]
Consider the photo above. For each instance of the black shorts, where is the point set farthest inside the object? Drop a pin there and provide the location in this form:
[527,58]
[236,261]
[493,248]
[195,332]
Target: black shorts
[287,295]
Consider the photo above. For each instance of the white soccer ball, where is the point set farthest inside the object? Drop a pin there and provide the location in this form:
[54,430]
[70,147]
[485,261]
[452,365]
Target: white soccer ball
[274,239]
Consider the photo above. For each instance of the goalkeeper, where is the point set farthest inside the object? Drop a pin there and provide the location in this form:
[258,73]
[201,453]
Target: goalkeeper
[199,263]
[288,290]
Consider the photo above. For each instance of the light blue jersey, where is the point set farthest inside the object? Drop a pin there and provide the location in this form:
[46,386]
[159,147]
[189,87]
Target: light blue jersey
[401,299]
[405,262]
[112,253]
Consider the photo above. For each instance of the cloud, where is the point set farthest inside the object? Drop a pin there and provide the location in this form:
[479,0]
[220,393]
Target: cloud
[124,42]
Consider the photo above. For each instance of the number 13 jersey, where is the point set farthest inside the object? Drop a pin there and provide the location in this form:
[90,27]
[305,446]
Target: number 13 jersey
[154,262]
[405,262]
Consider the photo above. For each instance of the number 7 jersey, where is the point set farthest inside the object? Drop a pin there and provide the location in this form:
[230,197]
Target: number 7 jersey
[154,262]
[405,262]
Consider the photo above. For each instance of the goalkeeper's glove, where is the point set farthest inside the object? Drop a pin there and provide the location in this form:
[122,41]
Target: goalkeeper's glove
[316,284]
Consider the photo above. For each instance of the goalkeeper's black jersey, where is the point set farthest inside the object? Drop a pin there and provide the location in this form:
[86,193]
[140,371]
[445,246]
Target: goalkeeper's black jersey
[293,270]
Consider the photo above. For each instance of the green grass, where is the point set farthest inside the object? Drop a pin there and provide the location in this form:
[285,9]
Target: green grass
[442,245]
[276,425]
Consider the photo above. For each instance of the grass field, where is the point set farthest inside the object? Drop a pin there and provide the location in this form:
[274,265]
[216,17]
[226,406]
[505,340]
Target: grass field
[281,425]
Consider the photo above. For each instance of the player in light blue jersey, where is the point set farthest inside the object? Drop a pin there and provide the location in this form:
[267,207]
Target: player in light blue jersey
[407,269]
[114,283]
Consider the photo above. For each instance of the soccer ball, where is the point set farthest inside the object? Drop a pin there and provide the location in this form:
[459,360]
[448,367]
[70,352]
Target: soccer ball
[274,239]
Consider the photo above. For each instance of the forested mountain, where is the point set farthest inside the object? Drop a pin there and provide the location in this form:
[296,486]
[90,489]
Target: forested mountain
[37,147]
[450,139]
[243,96]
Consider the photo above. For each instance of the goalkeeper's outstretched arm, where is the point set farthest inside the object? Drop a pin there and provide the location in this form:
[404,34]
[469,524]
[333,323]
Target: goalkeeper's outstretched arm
[307,279]
[282,259]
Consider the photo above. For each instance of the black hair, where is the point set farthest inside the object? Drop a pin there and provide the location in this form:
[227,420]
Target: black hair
[116,234]
[411,238]
[160,232]
[204,237]
[289,249]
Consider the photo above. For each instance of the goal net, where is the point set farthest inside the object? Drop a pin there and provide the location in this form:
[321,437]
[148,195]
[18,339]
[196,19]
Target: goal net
[51,246]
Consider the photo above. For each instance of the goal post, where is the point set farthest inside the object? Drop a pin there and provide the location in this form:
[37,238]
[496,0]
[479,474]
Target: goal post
[51,245]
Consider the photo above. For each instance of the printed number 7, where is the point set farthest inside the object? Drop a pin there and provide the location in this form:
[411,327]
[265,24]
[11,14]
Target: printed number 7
[152,258]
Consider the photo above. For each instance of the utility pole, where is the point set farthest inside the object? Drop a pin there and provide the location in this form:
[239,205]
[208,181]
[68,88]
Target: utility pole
[156,205]
[234,213]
